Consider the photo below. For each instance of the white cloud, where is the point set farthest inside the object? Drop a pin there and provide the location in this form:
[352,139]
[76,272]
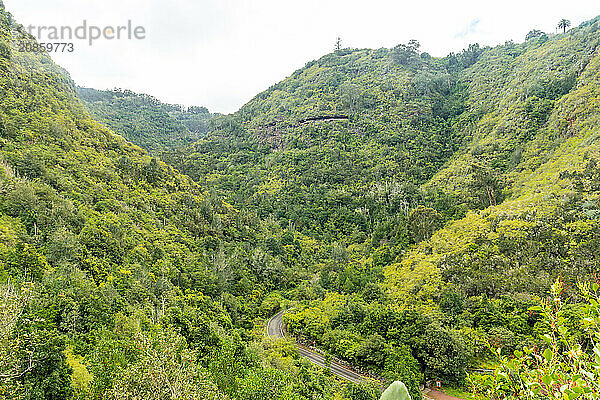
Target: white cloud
[220,53]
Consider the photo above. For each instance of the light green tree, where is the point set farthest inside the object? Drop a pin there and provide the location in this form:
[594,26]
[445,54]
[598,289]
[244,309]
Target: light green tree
[396,391]
[166,369]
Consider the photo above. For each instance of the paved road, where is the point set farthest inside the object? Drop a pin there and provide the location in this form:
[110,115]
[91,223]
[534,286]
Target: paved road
[275,331]
[275,326]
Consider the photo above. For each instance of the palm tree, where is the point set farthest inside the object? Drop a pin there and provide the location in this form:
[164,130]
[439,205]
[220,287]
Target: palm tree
[564,24]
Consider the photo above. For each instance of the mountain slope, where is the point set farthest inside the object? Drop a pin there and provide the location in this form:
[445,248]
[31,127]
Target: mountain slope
[512,92]
[389,145]
[120,276]
[145,121]
[549,224]
[322,150]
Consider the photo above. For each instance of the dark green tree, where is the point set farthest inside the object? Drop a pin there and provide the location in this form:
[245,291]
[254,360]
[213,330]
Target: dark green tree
[535,34]
[338,44]
[564,24]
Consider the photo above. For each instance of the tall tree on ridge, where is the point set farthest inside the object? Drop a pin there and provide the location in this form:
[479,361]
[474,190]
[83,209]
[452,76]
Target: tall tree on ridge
[564,24]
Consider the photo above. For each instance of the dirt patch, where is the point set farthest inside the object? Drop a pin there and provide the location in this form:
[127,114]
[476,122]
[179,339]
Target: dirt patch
[437,395]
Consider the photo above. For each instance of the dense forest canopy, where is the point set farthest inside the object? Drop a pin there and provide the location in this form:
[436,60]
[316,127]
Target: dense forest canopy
[144,120]
[408,211]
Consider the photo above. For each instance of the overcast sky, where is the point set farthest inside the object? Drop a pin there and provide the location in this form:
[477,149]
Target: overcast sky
[220,53]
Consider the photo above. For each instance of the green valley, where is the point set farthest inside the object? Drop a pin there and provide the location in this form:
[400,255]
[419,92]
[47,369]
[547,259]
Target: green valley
[414,217]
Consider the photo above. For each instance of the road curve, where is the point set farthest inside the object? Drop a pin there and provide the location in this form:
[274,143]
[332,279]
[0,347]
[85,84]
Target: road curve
[275,331]
[275,326]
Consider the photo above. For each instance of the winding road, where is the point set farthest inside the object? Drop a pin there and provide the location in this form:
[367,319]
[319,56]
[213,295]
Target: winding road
[275,331]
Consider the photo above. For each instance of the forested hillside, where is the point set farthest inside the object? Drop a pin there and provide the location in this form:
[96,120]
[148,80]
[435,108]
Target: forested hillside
[385,147]
[534,147]
[144,120]
[407,210]
[323,150]
[451,193]
[120,277]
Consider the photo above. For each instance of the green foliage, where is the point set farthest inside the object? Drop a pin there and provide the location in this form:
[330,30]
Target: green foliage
[422,222]
[265,384]
[163,369]
[33,365]
[25,262]
[80,378]
[564,367]
[407,346]
[119,272]
[443,354]
[396,391]
[536,34]
[333,149]
[144,120]
[360,391]
[400,365]
[411,207]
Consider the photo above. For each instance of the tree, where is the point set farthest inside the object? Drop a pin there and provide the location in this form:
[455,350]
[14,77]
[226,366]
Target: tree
[414,45]
[401,366]
[402,53]
[152,171]
[470,55]
[360,391]
[12,303]
[564,24]
[534,34]
[485,185]
[338,44]
[32,363]
[371,351]
[351,97]
[564,367]
[423,222]
[165,370]
[443,354]
[264,384]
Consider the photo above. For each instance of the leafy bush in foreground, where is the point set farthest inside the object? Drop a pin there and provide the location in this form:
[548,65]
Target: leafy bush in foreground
[564,368]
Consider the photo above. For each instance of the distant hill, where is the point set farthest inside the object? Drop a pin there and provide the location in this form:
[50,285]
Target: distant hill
[144,120]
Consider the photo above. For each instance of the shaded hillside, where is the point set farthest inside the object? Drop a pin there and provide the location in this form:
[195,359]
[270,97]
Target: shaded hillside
[144,120]
[342,145]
